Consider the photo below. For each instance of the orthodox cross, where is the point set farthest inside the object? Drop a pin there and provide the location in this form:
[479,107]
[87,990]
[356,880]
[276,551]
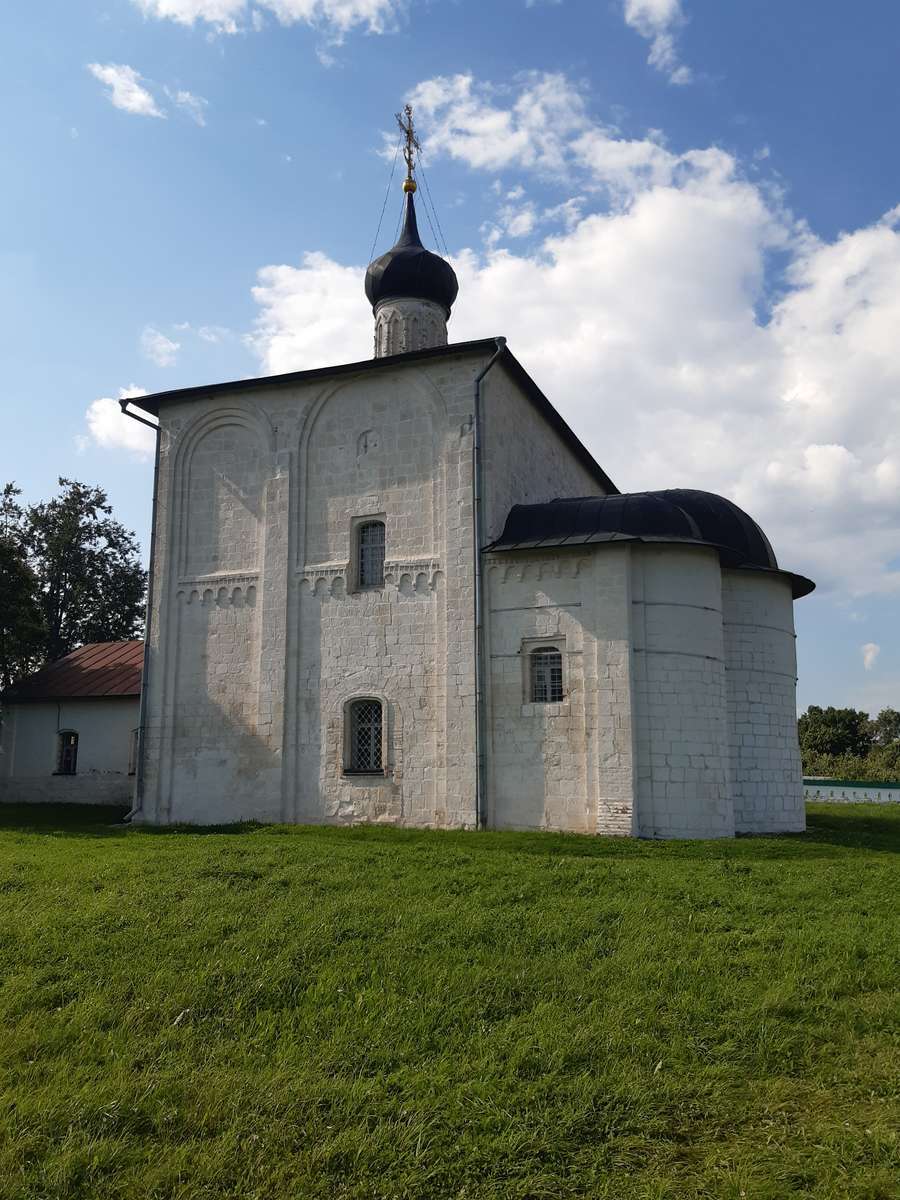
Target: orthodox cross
[405,121]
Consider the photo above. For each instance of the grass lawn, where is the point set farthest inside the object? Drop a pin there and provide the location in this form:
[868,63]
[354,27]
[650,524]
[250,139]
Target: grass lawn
[352,1014]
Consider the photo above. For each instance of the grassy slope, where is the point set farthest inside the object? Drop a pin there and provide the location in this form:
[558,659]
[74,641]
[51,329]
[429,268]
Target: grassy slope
[362,1013]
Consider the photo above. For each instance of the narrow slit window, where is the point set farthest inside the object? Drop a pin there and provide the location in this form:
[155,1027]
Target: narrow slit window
[546,675]
[365,754]
[371,554]
[67,753]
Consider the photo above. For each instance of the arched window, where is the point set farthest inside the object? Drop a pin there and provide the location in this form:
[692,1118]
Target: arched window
[364,753]
[370,560]
[66,752]
[546,675]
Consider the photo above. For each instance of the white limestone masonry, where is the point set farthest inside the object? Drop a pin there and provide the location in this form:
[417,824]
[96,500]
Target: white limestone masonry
[680,693]
[760,647]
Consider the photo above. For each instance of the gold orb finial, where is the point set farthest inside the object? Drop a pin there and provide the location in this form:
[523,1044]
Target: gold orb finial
[409,185]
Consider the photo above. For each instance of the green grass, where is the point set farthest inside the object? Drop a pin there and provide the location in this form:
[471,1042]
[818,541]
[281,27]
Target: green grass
[353,1014]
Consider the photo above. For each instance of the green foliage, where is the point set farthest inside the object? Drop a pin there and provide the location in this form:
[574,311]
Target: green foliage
[844,743]
[377,1014]
[835,731]
[78,564]
[21,619]
[881,765]
[886,727]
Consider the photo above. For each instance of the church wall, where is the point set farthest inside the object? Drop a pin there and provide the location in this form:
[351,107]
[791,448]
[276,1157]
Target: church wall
[29,749]
[565,765]
[396,447]
[766,775]
[680,693]
[259,636]
[537,768]
[525,459]
[213,731]
[391,448]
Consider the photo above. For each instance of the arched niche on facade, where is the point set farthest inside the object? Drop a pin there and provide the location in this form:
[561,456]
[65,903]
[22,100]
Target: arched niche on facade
[222,464]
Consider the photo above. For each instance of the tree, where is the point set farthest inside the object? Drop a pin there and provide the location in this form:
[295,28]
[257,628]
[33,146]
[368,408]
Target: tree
[886,727]
[21,618]
[835,731]
[88,571]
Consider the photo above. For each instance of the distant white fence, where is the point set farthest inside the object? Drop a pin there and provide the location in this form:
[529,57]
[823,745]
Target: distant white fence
[845,791]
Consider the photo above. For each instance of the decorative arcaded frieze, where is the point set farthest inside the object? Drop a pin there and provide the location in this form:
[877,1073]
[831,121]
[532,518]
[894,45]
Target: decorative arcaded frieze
[560,566]
[413,575]
[236,592]
[396,568]
[226,579]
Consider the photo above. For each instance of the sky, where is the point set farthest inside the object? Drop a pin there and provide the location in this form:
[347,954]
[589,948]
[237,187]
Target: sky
[683,214]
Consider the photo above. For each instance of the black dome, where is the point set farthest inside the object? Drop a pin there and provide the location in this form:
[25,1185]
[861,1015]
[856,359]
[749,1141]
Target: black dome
[409,270]
[676,515]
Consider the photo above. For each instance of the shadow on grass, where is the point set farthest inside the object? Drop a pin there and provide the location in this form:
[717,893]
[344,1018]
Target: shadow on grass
[863,827]
[80,820]
[830,829]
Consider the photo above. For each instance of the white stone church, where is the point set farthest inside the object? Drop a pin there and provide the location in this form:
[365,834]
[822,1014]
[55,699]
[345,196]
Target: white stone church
[403,591]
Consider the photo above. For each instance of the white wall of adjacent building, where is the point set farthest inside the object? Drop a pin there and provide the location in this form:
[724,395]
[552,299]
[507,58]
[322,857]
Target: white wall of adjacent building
[29,751]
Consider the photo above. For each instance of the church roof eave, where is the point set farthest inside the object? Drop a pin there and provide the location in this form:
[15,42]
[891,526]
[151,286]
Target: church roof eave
[673,516]
[152,403]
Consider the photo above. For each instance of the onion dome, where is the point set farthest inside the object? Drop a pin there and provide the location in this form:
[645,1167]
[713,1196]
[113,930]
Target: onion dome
[677,515]
[409,271]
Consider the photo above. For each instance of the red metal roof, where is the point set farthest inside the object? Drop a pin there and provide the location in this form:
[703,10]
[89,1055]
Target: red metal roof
[98,669]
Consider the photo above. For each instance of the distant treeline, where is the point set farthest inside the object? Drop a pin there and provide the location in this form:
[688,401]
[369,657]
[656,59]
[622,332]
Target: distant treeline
[846,743]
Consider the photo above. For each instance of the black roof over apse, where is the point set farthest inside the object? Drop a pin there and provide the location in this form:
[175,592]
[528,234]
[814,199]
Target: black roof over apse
[409,270]
[679,515]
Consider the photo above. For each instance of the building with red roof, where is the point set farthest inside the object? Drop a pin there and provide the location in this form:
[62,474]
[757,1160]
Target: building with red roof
[69,731]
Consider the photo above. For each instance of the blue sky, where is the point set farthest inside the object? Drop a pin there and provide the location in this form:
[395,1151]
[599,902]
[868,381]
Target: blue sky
[682,214]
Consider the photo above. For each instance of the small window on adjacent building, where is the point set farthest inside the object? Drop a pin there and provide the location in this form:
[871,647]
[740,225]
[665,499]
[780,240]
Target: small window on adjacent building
[133,747]
[546,675]
[370,560]
[67,752]
[364,753]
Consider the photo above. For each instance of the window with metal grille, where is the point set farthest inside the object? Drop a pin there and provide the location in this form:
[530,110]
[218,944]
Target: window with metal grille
[365,737]
[546,675]
[370,539]
[67,752]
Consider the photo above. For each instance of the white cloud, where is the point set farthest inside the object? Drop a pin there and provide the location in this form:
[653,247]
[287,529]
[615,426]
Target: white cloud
[194,106]
[310,315]
[647,321]
[870,652]
[223,15]
[159,348]
[465,120]
[657,21]
[213,333]
[110,429]
[234,16]
[126,90]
